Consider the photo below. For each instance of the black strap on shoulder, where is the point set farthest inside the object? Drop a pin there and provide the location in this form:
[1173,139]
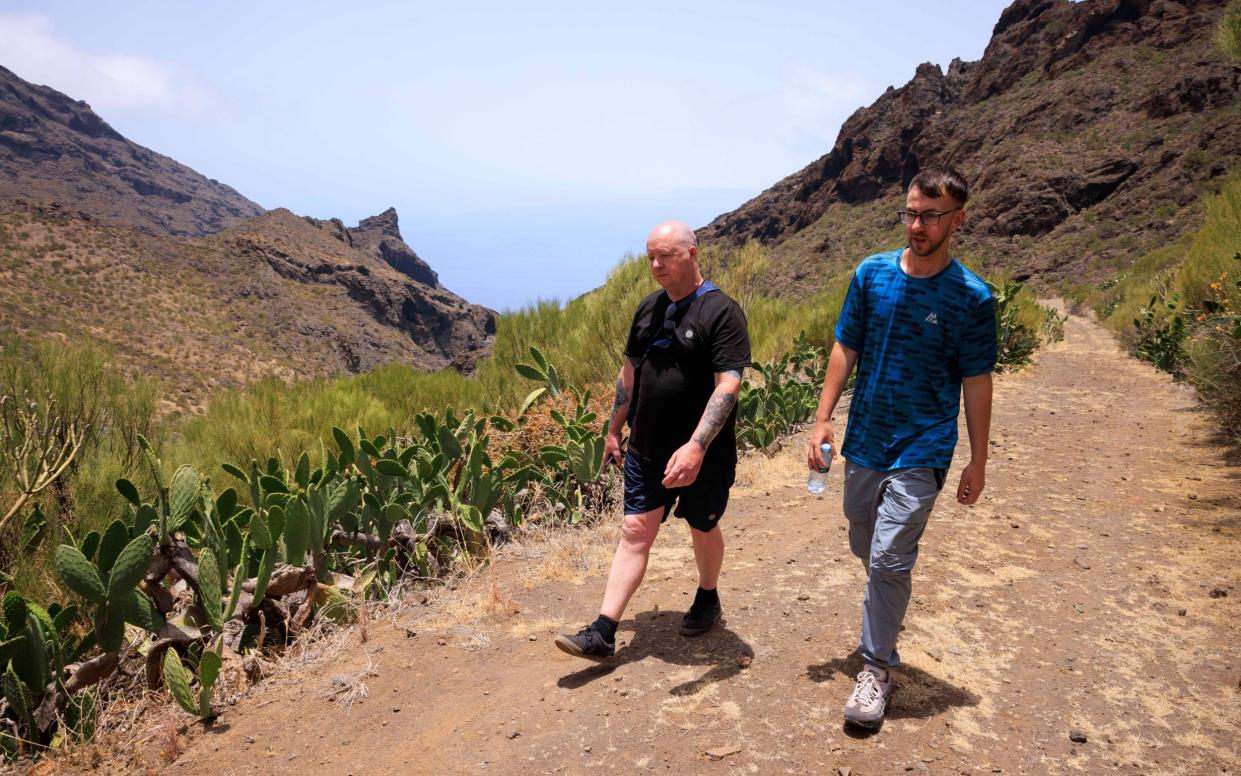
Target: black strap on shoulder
[663,338]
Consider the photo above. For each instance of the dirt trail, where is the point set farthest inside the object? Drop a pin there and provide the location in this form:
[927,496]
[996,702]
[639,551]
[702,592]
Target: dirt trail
[1076,597]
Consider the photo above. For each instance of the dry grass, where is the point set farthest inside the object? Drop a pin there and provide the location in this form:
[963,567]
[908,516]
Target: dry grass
[350,688]
[758,473]
[557,554]
[785,464]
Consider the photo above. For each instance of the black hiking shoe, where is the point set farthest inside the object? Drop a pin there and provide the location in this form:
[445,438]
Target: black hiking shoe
[588,643]
[700,618]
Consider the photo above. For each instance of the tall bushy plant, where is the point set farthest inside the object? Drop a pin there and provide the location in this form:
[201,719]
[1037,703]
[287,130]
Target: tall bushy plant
[1191,325]
[1017,340]
[107,410]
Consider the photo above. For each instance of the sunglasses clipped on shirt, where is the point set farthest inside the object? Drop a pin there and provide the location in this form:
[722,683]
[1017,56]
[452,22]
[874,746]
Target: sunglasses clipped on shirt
[668,330]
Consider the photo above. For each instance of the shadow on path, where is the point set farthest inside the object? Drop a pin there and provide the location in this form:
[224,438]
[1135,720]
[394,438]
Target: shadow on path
[917,695]
[657,635]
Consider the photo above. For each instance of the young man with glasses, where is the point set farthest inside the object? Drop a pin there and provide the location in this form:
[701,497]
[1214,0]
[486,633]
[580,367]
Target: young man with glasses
[920,328]
[677,389]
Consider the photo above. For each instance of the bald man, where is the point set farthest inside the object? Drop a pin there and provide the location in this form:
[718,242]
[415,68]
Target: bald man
[677,388]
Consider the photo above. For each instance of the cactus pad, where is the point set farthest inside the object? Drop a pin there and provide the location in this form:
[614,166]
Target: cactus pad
[78,573]
[130,566]
[14,611]
[183,494]
[177,678]
[209,587]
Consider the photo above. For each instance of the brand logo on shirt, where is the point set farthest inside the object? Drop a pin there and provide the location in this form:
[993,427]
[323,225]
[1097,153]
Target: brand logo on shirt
[931,319]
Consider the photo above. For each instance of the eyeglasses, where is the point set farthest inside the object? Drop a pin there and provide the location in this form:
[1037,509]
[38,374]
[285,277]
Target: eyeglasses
[929,217]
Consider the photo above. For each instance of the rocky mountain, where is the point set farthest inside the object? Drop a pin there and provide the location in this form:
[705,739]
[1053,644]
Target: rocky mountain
[1089,130]
[274,296]
[380,238]
[56,149]
[101,238]
[372,266]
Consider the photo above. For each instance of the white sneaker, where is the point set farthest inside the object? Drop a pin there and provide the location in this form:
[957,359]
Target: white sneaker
[869,699]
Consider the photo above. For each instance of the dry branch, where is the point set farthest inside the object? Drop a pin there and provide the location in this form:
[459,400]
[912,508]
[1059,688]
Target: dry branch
[38,445]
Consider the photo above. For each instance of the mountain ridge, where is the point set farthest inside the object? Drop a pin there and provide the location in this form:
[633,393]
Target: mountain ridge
[56,149]
[1073,116]
[85,215]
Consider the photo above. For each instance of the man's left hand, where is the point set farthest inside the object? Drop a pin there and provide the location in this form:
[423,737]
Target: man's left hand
[973,480]
[683,466]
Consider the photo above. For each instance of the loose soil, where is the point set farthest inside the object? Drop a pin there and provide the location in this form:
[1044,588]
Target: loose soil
[1092,594]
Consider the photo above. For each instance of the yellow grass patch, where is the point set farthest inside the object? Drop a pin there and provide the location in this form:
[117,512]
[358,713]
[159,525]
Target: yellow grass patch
[558,555]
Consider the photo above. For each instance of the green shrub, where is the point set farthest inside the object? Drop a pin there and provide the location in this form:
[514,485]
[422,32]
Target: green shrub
[782,394]
[1018,320]
[1229,33]
[83,387]
[1160,339]
[1191,324]
[1212,360]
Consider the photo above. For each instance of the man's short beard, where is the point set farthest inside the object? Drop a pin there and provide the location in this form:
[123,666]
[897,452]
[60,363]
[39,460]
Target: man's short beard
[933,247]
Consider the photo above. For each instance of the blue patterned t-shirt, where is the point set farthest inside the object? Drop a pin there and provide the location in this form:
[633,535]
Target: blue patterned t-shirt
[916,338]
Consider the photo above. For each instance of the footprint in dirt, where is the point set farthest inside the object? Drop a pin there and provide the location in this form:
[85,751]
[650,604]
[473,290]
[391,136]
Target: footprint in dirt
[917,695]
[657,635]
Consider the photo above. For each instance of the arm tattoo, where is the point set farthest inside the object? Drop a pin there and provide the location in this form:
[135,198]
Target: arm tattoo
[622,395]
[621,402]
[718,409]
[734,373]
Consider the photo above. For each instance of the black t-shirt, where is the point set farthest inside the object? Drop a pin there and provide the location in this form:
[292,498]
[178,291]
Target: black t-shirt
[677,381]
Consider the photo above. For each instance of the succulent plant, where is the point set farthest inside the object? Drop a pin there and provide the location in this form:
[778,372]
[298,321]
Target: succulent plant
[14,611]
[177,679]
[114,604]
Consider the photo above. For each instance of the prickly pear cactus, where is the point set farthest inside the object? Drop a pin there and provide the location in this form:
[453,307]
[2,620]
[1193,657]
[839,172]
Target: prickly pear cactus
[208,671]
[183,494]
[209,585]
[296,532]
[14,611]
[114,540]
[16,693]
[260,534]
[129,567]
[79,573]
[266,564]
[81,716]
[116,603]
[177,678]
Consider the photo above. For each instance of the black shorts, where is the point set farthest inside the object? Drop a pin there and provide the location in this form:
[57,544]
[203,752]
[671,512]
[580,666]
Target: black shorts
[701,503]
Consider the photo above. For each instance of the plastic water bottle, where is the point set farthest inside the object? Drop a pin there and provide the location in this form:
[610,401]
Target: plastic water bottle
[817,481]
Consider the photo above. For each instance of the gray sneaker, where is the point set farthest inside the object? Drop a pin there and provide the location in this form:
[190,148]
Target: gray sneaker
[869,699]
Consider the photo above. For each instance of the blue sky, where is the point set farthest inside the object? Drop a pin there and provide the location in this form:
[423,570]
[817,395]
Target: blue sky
[527,147]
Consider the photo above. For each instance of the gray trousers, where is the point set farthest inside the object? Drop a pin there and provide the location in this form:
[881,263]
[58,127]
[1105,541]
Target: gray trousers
[887,512]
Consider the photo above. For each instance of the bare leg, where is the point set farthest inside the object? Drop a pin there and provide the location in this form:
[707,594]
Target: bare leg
[629,563]
[709,554]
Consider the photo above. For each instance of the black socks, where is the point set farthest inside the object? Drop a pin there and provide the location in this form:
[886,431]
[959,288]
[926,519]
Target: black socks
[606,627]
[707,597]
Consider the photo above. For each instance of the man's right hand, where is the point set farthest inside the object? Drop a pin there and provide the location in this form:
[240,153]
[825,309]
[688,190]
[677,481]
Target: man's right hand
[823,432]
[612,450]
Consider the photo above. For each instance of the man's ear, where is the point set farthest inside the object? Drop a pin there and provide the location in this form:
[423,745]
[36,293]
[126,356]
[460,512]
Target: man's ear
[693,252]
[959,217]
